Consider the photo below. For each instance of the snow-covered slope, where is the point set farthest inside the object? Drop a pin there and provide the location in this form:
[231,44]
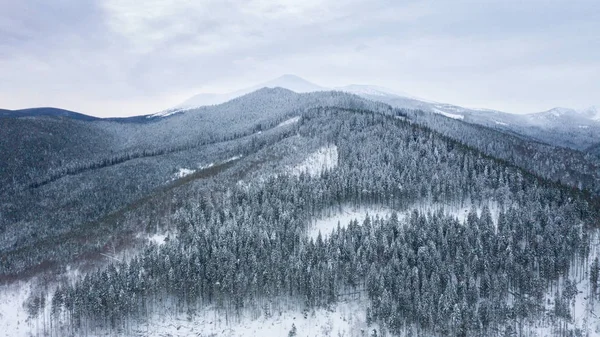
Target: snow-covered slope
[373,90]
[573,128]
[566,115]
[290,82]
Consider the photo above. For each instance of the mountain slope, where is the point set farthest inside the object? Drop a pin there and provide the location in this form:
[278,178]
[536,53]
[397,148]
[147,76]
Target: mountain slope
[232,189]
[290,82]
[577,129]
[239,244]
[97,168]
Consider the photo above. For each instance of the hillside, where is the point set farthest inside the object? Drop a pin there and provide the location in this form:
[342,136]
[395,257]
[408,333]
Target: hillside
[300,205]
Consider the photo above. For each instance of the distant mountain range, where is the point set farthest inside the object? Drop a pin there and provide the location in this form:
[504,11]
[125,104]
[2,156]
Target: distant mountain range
[578,129]
[554,117]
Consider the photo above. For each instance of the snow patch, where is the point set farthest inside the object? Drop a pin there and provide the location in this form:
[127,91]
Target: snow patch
[289,121]
[184,172]
[158,239]
[325,158]
[172,111]
[12,312]
[206,166]
[231,159]
[449,115]
[326,225]
[501,123]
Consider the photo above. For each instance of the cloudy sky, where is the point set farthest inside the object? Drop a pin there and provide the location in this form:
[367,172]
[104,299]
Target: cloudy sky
[129,57]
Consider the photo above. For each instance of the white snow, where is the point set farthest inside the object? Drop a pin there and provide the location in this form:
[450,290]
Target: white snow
[183,172]
[325,158]
[343,319]
[584,126]
[449,115]
[165,113]
[327,224]
[585,312]
[289,121]
[290,82]
[230,159]
[12,312]
[501,123]
[158,239]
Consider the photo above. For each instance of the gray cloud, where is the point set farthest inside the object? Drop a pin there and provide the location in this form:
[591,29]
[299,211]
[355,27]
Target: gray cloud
[123,57]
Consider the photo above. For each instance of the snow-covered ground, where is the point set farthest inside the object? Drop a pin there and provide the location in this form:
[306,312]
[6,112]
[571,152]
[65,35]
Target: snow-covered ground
[346,319]
[585,311]
[158,239]
[226,160]
[328,222]
[183,172]
[325,158]
[449,115]
[12,312]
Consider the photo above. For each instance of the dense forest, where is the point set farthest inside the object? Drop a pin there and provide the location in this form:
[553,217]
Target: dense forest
[242,243]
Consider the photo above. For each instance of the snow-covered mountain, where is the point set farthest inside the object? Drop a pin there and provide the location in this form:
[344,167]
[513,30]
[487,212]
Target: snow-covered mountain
[395,98]
[573,128]
[587,115]
[290,82]
[373,90]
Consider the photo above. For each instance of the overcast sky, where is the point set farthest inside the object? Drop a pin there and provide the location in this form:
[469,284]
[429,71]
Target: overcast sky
[130,57]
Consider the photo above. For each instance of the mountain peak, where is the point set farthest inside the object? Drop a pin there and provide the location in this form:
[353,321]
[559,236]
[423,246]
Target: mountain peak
[290,77]
[591,113]
[291,82]
[375,90]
